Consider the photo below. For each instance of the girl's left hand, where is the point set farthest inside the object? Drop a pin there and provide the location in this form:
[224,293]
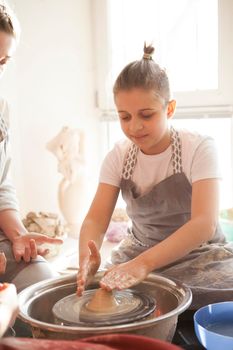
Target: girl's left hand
[124,275]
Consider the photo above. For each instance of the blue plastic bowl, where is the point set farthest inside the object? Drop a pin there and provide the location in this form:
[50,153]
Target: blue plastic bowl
[214,326]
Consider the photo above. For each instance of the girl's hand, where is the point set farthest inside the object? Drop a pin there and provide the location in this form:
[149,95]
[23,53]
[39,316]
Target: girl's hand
[124,275]
[88,268]
[2,263]
[27,247]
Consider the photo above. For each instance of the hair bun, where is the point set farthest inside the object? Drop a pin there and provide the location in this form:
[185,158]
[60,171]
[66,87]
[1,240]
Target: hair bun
[148,52]
[147,56]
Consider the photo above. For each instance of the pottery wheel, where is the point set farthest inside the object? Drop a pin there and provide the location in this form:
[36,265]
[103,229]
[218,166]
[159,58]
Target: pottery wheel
[132,306]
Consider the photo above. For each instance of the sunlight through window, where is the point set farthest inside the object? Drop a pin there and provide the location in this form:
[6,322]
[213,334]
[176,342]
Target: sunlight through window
[184,43]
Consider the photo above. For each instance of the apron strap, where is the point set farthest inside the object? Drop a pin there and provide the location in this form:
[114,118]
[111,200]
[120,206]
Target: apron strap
[176,151]
[131,156]
[130,162]
[3,129]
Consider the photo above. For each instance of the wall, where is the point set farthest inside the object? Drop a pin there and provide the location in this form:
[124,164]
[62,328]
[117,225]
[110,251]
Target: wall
[49,84]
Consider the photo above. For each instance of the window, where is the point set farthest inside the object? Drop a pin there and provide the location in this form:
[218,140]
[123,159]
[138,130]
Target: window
[184,44]
[191,38]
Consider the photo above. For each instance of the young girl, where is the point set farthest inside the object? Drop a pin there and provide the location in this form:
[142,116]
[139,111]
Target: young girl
[17,247]
[169,181]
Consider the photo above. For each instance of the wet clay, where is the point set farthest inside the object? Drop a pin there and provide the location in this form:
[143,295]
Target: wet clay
[103,302]
[97,307]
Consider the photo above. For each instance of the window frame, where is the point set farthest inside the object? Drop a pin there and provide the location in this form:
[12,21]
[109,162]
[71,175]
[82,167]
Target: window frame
[196,101]
[193,104]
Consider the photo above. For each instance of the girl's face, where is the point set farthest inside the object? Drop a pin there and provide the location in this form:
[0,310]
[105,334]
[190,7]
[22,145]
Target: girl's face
[144,119]
[7,43]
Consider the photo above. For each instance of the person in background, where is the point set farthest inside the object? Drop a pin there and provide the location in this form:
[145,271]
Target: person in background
[22,262]
[169,180]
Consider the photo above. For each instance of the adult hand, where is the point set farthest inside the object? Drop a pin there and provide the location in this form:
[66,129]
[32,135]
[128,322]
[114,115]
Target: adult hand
[2,263]
[28,246]
[88,268]
[124,275]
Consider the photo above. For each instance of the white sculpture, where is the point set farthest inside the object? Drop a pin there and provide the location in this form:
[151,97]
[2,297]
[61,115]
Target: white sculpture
[68,147]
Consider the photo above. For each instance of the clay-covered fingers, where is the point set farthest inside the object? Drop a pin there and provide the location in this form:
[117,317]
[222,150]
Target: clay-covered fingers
[2,263]
[81,280]
[110,269]
[80,289]
[88,267]
[117,280]
[94,252]
[94,260]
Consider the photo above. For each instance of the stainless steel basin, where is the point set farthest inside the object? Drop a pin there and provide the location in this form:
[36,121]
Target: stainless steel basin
[36,303]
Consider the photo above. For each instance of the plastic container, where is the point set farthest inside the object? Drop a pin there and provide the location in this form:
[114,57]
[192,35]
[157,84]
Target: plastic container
[214,326]
[227,227]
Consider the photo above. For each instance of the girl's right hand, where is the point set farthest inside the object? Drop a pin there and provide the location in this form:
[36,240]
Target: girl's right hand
[2,263]
[88,268]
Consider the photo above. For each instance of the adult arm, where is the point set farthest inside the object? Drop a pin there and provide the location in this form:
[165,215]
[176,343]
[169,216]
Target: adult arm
[24,245]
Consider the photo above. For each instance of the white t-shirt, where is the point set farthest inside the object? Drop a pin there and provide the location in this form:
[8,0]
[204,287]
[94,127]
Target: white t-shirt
[199,161]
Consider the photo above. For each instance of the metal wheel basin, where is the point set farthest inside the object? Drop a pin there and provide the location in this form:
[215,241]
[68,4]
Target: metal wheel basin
[36,303]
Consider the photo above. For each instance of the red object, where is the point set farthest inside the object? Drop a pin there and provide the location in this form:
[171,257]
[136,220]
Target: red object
[131,342]
[3,286]
[101,342]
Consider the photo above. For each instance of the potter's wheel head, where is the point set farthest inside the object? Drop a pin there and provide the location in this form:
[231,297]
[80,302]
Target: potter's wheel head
[132,306]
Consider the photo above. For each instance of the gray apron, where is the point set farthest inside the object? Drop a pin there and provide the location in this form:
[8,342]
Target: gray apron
[155,215]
